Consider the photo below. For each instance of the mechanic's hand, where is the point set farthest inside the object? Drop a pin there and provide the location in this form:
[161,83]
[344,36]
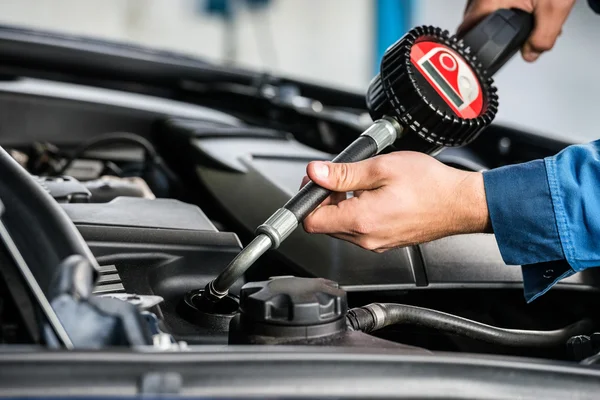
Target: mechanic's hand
[400,199]
[550,15]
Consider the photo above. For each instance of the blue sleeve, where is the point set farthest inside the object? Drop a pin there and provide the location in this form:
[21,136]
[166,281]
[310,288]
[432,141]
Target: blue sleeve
[546,215]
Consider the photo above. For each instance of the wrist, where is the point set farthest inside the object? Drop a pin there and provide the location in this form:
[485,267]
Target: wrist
[470,209]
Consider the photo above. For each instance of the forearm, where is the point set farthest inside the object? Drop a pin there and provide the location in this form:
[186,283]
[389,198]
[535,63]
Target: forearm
[468,206]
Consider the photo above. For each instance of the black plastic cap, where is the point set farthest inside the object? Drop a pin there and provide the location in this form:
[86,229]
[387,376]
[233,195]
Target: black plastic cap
[292,301]
[401,91]
[580,347]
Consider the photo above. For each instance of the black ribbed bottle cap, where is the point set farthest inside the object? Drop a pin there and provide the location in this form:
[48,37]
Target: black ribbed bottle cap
[437,90]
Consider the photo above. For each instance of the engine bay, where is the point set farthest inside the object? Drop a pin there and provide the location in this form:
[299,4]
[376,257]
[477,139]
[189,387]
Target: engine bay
[166,192]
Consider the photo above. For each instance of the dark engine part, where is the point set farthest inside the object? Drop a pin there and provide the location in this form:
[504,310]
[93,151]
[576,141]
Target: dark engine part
[286,309]
[216,317]
[142,213]
[290,310]
[161,247]
[379,315]
[66,189]
[302,311]
[108,188]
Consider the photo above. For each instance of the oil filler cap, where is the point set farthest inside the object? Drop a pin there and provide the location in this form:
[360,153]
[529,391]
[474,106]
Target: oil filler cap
[293,301]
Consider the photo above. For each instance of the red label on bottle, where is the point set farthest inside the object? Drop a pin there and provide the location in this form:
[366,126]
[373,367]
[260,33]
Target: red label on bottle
[451,77]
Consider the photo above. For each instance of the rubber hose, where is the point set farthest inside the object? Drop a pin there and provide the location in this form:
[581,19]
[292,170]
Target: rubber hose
[111,138]
[378,315]
[150,154]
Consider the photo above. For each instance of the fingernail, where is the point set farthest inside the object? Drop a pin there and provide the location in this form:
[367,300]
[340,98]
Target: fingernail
[321,170]
[531,56]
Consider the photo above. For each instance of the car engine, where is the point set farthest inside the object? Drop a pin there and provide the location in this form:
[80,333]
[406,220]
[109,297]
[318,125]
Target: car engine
[155,169]
[166,198]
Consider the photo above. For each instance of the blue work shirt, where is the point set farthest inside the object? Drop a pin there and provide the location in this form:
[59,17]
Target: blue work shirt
[546,215]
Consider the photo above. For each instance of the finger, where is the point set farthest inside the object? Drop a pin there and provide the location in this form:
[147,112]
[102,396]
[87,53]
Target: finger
[476,11]
[342,218]
[347,177]
[337,198]
[549,19]
[333,199]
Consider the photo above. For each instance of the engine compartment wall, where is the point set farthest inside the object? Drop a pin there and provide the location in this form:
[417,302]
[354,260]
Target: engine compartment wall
[62,113]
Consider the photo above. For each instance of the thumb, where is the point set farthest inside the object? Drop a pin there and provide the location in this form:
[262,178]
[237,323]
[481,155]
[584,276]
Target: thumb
[346,177]
[474,13]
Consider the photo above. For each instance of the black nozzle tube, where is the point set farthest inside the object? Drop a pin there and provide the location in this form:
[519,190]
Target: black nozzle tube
[378,315]
[219,287]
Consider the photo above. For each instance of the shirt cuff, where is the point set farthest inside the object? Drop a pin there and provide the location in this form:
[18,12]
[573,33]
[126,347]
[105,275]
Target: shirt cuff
[523,219]
[539,278]
[522,214]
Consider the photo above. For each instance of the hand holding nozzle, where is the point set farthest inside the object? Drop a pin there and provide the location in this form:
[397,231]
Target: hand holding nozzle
[433,90]
[285,220]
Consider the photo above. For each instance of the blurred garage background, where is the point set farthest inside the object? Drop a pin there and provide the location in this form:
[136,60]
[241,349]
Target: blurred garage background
[336,43]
